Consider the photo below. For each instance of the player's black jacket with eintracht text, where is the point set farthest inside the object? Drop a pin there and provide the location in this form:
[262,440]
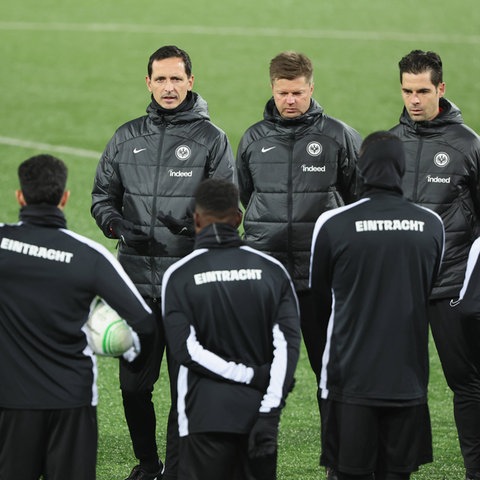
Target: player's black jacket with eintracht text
[372,269]
[443,174]
[154,164]
[289,172]
[231,320]
[48,278]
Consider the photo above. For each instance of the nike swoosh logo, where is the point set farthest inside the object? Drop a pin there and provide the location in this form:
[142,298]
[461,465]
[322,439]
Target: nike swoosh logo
[454,303]
[138,150]
[264,150]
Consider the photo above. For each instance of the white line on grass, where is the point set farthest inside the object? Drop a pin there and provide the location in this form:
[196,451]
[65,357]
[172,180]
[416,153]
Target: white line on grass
[77,152]
[245,32]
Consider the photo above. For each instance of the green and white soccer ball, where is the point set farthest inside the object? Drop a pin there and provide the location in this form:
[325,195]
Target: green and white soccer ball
[108,334]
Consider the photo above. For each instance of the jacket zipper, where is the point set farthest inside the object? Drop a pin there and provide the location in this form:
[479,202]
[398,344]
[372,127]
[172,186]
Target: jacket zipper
[417,169]
[290,207]
[154,204]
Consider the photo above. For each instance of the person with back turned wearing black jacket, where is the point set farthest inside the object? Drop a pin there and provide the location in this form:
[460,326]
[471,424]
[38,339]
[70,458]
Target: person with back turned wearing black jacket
[232,323]
[373,266]
[50,278]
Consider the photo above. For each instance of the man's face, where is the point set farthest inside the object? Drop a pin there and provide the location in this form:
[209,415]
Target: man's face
[292,97]
[420,96]
[169,83]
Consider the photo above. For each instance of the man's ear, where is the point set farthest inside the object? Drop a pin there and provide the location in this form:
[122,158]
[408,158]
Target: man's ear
[441,89]
[197,221]
[20,198]
[64,199]
[238,218]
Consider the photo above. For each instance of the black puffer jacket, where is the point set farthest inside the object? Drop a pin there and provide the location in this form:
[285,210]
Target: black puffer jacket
[289,172]
[155,163]
[443,174]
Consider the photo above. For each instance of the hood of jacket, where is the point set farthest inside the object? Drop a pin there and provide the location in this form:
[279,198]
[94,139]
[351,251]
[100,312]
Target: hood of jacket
[198,110]
[449,114]
[381,164]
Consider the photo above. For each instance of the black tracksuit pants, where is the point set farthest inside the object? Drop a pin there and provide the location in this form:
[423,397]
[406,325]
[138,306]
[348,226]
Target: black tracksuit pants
[457,345]
[59,444]
[137,387]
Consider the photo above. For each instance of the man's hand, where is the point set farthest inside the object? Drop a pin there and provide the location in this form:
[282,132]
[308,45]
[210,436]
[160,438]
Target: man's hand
[262,446]
[134,351]
[128,234]
[262,439]
[261,377]
[183,226]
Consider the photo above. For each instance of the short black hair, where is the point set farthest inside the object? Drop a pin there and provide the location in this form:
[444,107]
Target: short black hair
[170,51]
[216,196]
[43,179]
[418,61]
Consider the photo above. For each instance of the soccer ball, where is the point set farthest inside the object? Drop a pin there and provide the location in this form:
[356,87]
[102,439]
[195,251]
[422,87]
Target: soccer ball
[107,333]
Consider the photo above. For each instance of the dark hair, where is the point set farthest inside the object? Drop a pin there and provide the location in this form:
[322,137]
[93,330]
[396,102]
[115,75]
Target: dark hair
[418,61]
[170,51]
[217,196]
[42,179]
[291,65]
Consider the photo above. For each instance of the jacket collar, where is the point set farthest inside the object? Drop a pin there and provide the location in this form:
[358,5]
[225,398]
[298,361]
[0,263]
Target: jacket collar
[310,116]
[194,108]
[449,114]
[43,215]
[218,235]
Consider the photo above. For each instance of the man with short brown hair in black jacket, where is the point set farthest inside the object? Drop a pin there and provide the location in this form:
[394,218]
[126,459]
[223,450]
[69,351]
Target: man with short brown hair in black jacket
[292,165]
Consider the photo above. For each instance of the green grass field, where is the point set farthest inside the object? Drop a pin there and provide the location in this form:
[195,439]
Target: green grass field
[74,71]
